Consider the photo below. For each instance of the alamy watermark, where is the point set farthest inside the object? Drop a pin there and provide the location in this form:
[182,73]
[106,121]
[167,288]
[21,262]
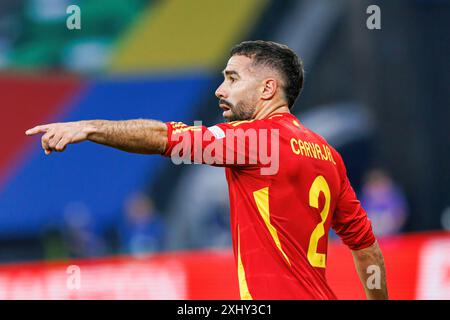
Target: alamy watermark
[373,22]
[374,280]
[73,281]
[227,147]
[73,21]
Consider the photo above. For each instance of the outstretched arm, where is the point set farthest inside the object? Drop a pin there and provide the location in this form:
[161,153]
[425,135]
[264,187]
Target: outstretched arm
[137,136]
[369,263]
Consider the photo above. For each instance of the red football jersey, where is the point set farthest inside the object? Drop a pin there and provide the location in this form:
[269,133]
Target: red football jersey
[287,187]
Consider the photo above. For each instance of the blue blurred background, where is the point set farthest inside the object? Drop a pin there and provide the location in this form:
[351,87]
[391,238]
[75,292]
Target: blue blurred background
[381,97]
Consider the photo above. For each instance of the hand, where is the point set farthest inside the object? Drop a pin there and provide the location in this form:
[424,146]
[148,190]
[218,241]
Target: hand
[58,135]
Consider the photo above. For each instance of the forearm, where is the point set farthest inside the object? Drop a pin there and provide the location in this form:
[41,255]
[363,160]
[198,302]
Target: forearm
[369,263]
[137,136]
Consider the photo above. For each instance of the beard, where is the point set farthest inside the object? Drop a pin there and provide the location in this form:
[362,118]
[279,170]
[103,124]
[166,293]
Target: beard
[240,111]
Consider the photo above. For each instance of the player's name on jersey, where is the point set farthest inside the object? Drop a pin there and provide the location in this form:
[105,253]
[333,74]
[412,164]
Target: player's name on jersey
[312,150]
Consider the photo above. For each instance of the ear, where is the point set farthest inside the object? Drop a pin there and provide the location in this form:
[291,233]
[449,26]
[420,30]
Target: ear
[269,88]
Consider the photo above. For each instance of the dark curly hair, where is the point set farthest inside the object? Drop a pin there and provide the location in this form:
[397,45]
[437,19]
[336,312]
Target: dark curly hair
[279,57]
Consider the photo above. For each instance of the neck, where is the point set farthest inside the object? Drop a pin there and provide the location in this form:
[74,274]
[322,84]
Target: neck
[267,110]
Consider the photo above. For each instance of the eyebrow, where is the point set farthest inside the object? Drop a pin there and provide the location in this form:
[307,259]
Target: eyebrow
[230,72]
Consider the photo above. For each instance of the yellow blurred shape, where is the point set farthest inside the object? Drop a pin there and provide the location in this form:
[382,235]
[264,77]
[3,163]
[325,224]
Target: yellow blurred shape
[182,34]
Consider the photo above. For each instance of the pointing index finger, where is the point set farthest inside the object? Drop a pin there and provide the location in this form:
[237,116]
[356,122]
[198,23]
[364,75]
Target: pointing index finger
[36,129]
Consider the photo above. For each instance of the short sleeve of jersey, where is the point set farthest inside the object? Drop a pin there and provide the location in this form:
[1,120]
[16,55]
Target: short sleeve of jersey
[238,143]
[350,220]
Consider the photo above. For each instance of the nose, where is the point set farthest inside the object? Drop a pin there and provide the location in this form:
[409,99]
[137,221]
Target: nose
[220,92]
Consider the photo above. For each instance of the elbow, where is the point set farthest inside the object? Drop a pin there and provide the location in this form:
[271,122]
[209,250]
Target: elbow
[163,139]
[372,253]
[156,139]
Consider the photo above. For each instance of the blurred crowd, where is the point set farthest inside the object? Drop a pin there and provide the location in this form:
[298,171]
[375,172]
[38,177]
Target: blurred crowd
[143,229]
[385,203]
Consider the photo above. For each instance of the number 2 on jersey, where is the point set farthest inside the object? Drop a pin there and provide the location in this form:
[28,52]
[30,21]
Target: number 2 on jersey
[319,185]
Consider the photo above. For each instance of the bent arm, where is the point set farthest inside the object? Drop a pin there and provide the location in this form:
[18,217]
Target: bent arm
[369,263]
[137,136]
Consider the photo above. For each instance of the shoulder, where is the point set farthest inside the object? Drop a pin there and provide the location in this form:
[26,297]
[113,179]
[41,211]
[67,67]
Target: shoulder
[277,121]
[242,125]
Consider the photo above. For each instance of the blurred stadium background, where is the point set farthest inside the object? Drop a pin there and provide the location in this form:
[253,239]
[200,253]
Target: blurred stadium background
[140,227]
